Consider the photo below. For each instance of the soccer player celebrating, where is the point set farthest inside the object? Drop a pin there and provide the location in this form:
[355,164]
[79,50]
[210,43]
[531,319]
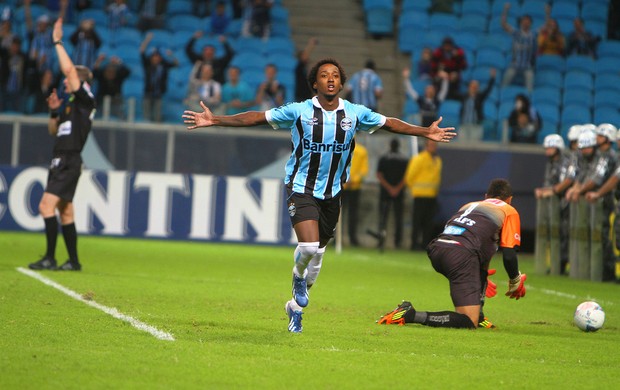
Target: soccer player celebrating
[462,253]
[322,131]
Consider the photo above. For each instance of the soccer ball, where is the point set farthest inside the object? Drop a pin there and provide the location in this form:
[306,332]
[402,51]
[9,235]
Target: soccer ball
[589,316]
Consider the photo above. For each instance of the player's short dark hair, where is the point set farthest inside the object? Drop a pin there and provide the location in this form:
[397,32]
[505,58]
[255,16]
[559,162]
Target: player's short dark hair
[499,189]
[315,70]
[84,73]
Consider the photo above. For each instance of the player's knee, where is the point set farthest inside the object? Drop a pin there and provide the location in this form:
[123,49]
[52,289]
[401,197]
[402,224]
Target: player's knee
[307,250]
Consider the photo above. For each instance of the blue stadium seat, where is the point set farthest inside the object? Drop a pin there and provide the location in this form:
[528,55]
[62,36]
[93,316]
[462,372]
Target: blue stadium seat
[279,14]
[594,12]
[565,9]
[98,15]
[249,61]
[413,18]
[248,44]
[450,111]
[172,110]
[410,109]
[500,41]
[443,22]
[575,113]
[545,130]
[548,112]
[180,38]
[280,30]
[582,63]
[490,110]
[607,81]
[548,78]
[482,74]
[491,58]
[578,96]
[548,95]
[234,28]
[253,77]
[284,62]
[417,5]
[128,35]
[606,115]
[504,110]
[596,27]
[577,79]
[279,45]
[161,39]
[608,48]
[510,92]
[550,62]
[178,7]
[184,22]
[128,52]
[368,4]
[498,7]
[607,98]
[534,8]
[133,88]
[468,40]
[473,23]
[476,7]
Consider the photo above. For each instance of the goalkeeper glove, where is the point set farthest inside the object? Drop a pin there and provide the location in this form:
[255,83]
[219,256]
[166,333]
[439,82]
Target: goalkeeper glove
[516,287]
[491,287]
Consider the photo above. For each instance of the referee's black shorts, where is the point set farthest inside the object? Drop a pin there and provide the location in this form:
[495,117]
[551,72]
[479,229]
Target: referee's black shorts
[462,268]
[63,175]
[304,207]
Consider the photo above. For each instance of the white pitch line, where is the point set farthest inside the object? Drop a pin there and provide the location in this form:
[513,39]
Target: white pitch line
[108,310]
[567,295]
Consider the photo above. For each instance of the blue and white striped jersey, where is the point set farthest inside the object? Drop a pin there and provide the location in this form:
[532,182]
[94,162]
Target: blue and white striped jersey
[322,143]
[364,84]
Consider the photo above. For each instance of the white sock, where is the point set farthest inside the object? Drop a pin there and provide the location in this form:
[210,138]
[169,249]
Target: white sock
[314,267]
[294,306]
[302,256]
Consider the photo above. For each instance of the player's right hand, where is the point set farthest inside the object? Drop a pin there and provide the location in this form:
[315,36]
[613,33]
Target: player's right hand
[516,287]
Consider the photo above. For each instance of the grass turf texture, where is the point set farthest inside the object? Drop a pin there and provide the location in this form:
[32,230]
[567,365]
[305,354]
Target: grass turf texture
[225,306]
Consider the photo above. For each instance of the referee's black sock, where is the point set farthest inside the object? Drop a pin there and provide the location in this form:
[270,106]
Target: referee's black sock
[442,319]
[51,235]
[70,235]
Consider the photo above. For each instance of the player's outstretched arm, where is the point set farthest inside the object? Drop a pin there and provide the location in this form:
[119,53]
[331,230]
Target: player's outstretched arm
[433,132]
[206,118]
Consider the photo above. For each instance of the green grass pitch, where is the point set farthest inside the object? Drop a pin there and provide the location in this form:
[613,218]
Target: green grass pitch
[224,304]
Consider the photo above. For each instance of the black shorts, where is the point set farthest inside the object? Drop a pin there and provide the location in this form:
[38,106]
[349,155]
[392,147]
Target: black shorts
[63,175]
[463,270]
[304,207]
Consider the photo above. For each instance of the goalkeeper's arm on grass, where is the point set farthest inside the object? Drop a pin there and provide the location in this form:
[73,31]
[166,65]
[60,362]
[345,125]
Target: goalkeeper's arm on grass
[516,286]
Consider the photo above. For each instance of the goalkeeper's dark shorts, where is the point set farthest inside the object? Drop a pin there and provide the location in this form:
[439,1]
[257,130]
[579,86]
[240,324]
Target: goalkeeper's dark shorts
[462,268]
[305,207]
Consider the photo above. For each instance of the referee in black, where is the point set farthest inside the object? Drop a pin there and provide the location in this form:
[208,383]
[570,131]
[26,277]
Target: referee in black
[70,123]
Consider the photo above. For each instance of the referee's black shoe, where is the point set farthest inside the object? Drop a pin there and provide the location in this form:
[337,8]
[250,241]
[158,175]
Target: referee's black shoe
[46,263]
[70,266]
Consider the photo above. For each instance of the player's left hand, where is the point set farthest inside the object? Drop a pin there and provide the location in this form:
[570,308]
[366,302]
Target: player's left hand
[516,287]
[198,119]
[440,134]
[491,290]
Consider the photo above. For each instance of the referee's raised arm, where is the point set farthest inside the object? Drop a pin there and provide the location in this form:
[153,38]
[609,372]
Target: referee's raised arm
[66,65]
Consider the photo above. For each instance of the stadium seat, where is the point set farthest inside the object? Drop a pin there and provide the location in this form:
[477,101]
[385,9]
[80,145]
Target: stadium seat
[504,110]
[534,8]
[128,52]
[482,74]
[133,88]
[497,8]
[467,40]
[596,27]
[279,45]
[548,78]
[577,79]
[490,110]
[279,14]
[594,12]
[161,39]
[608,48]
[249,61]
[284,62]
[548,95]
[234,28]
[172,110]
[413,18]
[545,130]
[98,15]
[500,41]
[575,113]
[607,81]
[472,23]
[582,63]
[548,112]
[550,62]
[443,22]
[416,5]
[606,115]
[248,44]
[280,30]
[578,96]
[491,58]
[180,38]
[510,92]
[128,35]
[184,22]
[607,98]
[178,7]
[475,8]
[564,9]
